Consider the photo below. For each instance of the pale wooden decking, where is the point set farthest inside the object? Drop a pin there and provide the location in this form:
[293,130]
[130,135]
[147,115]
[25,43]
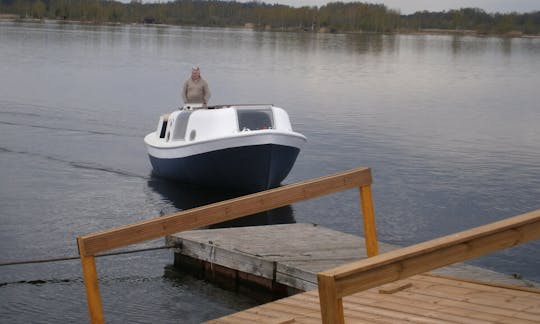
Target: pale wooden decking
[288,254]
[418,299]
[293,254]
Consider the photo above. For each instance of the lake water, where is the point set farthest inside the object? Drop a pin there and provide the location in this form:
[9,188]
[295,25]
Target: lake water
[449,125]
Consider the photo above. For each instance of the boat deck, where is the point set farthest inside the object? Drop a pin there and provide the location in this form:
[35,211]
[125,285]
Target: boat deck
[422,298]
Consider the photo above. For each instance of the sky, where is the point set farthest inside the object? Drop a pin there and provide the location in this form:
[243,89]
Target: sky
[411,6]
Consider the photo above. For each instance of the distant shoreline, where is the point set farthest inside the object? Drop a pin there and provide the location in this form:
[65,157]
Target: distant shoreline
[425,31]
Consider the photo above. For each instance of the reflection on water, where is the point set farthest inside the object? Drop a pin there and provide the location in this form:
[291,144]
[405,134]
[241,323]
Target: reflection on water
[449,125]
[186,196]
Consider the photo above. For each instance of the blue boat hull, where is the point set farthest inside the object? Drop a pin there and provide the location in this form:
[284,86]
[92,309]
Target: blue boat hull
[247,168]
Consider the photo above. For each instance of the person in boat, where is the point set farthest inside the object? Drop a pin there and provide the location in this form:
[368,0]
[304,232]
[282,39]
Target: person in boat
[195,89]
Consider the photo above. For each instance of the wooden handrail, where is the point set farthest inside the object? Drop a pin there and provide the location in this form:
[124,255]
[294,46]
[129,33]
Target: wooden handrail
[90,245]
[354,277]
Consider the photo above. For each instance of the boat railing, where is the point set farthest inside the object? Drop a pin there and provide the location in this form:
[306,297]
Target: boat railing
[197,106]
[92,244]
[348,279]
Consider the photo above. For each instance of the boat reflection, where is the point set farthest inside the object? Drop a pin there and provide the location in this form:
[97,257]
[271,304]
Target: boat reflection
[185,196]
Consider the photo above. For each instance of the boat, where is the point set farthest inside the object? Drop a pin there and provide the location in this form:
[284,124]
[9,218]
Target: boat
[248,148]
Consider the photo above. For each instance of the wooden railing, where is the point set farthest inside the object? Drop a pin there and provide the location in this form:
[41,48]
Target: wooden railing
[92,244]
[355,277]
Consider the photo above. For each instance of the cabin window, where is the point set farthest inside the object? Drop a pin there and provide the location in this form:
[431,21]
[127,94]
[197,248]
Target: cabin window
[255,119]
[180,126]
[163,129]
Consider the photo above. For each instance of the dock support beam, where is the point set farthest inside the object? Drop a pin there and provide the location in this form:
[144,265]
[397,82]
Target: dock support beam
[92,288]
[331,304]
[368,217]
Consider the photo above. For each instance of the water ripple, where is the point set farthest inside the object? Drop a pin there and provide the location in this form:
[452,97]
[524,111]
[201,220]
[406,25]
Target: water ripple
[79,165]
[86,131]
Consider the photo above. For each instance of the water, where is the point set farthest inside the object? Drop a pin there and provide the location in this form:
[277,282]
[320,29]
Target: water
[448,124]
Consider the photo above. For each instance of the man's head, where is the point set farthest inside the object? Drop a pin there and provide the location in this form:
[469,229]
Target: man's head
[195,73]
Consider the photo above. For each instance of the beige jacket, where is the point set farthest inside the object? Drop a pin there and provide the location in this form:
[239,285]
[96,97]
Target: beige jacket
[196,91]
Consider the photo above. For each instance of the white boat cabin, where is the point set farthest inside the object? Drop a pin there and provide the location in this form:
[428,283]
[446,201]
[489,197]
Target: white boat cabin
[190,125]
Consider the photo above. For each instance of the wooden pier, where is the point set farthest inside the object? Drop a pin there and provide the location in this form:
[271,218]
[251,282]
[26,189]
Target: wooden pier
[286,258]
[276,257]
[338,287]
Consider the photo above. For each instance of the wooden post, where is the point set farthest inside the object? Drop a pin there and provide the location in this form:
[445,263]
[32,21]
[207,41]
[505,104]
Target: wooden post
[90,277]
[368,217]
[331,305]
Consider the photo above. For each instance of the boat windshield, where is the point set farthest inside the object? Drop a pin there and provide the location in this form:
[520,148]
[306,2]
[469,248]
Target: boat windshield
[255,119]
[180,127]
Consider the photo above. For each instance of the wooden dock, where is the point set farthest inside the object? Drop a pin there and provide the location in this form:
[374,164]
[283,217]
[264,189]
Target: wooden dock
[418,299]
[270,255]
[339,286]
[286,257]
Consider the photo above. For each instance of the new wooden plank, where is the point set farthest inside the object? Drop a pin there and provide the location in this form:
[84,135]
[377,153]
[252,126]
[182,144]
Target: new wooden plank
[468,288]
[429,308]
[429,255]
[483,309]
[468,273]
[464,308]
[436,306]
[222,211]
[456,302]
[259,315]
[351,315]
[257,318]
[423,302]
[484,285]
[265,312]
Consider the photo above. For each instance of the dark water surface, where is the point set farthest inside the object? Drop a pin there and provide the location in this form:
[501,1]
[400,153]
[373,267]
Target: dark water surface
[450,126]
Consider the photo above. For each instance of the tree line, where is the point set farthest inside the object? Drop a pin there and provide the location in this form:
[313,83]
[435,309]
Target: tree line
[332,17]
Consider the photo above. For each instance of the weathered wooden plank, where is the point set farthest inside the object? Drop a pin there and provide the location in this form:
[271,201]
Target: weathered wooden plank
[215,254]
[295,277]
[297,251]
[222,211]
